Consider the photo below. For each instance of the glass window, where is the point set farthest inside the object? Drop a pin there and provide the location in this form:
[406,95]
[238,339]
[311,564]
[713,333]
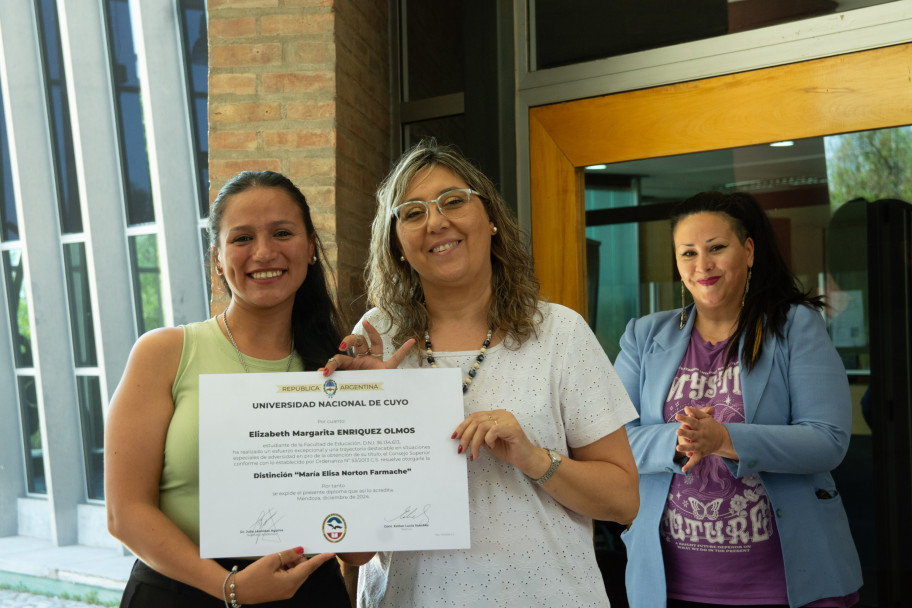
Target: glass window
[128,106]
[58,107]
[432,50]
[585,30]
[449,130]
[31,435]
[613,288]
[196,58]
[80,300]
[9,220]
[814,190]
[14,275]
[92,422]
[147,292]
[204,235]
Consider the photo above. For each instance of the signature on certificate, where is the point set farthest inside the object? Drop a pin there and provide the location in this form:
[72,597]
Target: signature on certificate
[264,528]
[413,515]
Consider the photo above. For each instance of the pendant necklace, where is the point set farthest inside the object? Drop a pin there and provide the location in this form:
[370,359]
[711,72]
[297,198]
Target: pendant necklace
[478,359]
[238,351]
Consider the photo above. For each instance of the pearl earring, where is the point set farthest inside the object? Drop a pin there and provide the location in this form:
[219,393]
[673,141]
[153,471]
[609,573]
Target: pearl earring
[401,258]
[494,228]
[313,260]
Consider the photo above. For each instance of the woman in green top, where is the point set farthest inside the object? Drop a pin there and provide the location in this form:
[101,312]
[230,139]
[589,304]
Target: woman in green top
[280,318]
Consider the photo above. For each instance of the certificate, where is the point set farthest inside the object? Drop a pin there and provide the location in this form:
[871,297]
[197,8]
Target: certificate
[360,461]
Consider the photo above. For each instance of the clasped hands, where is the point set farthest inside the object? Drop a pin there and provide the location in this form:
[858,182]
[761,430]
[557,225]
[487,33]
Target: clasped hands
[700,435]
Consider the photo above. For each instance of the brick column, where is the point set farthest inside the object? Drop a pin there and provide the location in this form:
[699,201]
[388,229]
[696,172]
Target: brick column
[302,87]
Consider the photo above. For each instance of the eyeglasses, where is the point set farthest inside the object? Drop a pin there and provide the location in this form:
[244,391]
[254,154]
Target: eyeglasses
[452,205]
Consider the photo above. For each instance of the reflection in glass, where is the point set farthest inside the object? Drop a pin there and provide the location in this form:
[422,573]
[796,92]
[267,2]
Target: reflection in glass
[128,106]
[17,301]
[147,292]
[613,287]
[585,30]
[870,165]
[92,422]
[31,436]
[79,296]
[196,60]
[59,117]
[9,220]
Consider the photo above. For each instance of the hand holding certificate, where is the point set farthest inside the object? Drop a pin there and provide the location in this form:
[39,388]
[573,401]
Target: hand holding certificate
[361,461]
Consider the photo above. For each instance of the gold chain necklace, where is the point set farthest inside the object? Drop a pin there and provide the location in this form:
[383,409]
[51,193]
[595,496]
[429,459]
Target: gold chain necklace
[238,351]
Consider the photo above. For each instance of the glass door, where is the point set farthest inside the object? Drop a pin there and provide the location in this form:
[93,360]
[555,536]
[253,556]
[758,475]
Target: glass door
[602,245]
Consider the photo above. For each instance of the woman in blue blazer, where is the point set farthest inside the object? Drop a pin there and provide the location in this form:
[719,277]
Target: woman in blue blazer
[744,410]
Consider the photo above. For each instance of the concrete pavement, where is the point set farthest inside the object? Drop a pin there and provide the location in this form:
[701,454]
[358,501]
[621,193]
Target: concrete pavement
[20,599]
[36,574]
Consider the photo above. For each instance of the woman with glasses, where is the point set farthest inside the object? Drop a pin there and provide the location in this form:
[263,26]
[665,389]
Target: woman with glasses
[544,411]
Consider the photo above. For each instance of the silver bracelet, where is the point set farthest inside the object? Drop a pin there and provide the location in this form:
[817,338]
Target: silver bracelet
[555,462]
[232,598]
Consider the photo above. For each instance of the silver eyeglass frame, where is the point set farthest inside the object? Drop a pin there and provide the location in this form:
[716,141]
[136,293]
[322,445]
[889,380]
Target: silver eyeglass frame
[436,202]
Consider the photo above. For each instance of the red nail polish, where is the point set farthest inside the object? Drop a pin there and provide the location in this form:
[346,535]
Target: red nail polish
[325,372]
[453,436]
[342,346]
[299,550]
[459,449]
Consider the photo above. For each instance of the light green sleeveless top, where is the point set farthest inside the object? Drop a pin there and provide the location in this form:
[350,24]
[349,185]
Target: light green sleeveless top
[206,351]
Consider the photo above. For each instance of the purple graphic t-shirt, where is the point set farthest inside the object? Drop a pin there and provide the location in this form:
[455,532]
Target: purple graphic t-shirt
[714,524]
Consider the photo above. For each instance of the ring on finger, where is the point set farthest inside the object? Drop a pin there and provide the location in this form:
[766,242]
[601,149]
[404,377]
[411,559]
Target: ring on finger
[331,360]
[281,560]
[358,341]
[376,355]
[361,354]
[351,352]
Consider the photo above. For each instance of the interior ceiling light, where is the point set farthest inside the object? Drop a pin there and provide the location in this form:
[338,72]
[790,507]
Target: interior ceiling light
[782,144]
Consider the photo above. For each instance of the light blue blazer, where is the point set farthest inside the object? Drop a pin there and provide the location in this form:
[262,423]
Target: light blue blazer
[798,417]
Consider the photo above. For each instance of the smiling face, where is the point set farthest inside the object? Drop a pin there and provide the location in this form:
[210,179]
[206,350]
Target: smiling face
[447,252]
[264,248]
[712,261]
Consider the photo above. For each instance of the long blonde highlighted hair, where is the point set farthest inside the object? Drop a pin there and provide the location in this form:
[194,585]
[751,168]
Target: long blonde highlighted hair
[395,288]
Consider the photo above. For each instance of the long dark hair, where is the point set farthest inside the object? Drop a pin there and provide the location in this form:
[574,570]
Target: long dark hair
[773,287]
[315,321]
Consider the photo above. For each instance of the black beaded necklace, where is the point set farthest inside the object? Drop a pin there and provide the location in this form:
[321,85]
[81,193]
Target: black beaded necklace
[475,366]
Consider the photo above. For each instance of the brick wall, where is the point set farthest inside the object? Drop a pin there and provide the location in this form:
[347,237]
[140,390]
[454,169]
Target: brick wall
[302,87]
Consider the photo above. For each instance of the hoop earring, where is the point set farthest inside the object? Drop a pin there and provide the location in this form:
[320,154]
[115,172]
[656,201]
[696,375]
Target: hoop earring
[683,312]
[746,287]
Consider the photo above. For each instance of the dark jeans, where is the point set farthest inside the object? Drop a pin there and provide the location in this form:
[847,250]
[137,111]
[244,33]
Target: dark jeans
[149,589]
[672,603]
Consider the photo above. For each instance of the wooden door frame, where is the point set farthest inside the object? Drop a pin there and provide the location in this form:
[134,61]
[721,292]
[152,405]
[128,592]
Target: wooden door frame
[845,93]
